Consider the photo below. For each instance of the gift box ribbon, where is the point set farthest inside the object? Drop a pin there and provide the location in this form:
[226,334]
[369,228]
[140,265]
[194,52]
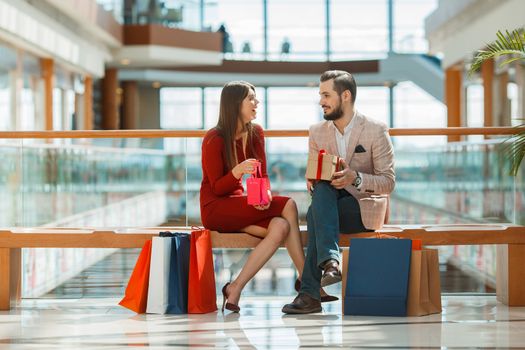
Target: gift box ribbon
[320,157]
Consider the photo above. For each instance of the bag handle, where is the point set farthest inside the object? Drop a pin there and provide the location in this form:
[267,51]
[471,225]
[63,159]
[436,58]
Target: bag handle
[258,172]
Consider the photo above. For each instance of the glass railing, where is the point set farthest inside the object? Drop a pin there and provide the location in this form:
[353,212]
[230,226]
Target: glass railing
[453,183]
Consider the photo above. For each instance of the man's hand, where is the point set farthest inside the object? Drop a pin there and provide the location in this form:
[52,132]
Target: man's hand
[310,186]
[344,177]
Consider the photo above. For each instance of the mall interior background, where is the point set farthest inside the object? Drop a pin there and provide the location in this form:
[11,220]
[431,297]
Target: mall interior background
[132,64]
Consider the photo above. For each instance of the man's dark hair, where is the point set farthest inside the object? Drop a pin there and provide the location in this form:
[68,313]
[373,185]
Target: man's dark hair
[342,81]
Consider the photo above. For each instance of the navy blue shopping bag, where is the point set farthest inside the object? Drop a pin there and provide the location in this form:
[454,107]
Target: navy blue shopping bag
[179,272]
[377,280]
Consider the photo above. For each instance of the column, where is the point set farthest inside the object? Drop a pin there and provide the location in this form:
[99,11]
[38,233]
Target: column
[110,119]
[487,74]
[501,104]
[453,94]
[129,104]
[47,67]
[88,104]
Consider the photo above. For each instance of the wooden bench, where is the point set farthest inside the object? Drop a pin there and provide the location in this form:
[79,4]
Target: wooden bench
[510,277]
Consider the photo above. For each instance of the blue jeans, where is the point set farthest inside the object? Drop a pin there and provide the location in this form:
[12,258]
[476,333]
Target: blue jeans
[332,211]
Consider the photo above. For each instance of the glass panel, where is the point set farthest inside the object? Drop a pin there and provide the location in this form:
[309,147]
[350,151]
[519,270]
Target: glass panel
[181,108]
[475,117]
[7,67]
[364,36]
[113,6]
[409,24]
[373,102]
[293,107]
[296,30]
[415,108]
[243,22]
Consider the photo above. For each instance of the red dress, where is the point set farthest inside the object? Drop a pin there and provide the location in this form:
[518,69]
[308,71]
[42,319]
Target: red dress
[224,206]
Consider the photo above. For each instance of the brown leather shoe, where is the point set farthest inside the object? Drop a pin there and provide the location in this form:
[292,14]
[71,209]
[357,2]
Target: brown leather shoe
[331,273]
[303,304]
[324,298]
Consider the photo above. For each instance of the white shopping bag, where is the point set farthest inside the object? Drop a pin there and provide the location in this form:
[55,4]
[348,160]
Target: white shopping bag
[159,275]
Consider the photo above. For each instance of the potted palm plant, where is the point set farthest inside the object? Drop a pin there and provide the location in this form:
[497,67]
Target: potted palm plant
[511,46]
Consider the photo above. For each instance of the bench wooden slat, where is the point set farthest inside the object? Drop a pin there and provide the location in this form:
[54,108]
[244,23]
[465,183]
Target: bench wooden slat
[106,238]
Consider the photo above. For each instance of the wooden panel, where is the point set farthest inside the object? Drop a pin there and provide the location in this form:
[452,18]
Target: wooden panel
[344,272]
[453,88]
[15,275]
[268,133]
[516,275]
[9,276]
[155,34]
[286,67]
[5,281]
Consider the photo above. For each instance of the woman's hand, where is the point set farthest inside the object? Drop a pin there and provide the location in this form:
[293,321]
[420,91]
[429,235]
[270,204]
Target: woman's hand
[246,167]
[266,206]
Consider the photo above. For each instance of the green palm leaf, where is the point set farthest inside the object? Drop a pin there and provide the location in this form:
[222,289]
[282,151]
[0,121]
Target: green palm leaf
[507,44]
[513,45]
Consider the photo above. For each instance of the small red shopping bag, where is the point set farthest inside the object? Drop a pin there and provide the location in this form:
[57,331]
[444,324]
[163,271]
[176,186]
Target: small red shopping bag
[136,295]
[257,188]
[202,297]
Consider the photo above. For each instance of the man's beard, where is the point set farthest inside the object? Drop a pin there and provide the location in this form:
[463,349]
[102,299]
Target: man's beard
[336,114]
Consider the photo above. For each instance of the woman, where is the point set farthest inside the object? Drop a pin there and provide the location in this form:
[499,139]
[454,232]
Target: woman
[229,151]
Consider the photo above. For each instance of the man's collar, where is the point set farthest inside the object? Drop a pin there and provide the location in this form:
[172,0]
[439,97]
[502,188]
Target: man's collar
[350,125]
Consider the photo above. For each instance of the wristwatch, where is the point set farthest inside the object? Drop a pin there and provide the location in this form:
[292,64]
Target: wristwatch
[358,180]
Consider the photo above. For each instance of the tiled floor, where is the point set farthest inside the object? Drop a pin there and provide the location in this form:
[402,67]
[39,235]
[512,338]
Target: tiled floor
[83,313]
[467,322]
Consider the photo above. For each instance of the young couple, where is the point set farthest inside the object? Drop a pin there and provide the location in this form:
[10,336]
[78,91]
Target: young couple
[348,204]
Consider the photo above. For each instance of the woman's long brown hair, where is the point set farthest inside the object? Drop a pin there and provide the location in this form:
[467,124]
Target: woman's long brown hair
[232,95]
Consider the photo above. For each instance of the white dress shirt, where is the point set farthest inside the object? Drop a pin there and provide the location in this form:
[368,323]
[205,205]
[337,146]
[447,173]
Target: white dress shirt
[342,140]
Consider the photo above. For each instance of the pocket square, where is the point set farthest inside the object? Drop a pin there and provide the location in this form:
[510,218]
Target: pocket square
[359,149]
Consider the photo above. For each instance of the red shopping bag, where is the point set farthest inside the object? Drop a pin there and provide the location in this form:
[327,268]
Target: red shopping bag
[201,280]
[257,188]
[136,295]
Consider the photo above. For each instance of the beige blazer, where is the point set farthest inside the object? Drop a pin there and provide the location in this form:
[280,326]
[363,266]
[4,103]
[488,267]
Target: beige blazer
[376,164]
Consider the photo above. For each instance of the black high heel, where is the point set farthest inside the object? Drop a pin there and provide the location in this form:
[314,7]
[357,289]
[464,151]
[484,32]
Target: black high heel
[324,298]
[229,306]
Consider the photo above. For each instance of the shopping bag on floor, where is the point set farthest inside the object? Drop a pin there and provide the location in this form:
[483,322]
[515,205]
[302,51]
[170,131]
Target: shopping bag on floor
[201,282]
[178,276]
[159,275]
[136,294]
[424,288]
[377,277]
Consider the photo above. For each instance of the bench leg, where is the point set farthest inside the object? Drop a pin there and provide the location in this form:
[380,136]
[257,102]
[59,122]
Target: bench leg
[344,267]
[10,276]
[510,274]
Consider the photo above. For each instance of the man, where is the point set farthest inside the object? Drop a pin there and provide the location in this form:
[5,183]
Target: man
[356,198]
